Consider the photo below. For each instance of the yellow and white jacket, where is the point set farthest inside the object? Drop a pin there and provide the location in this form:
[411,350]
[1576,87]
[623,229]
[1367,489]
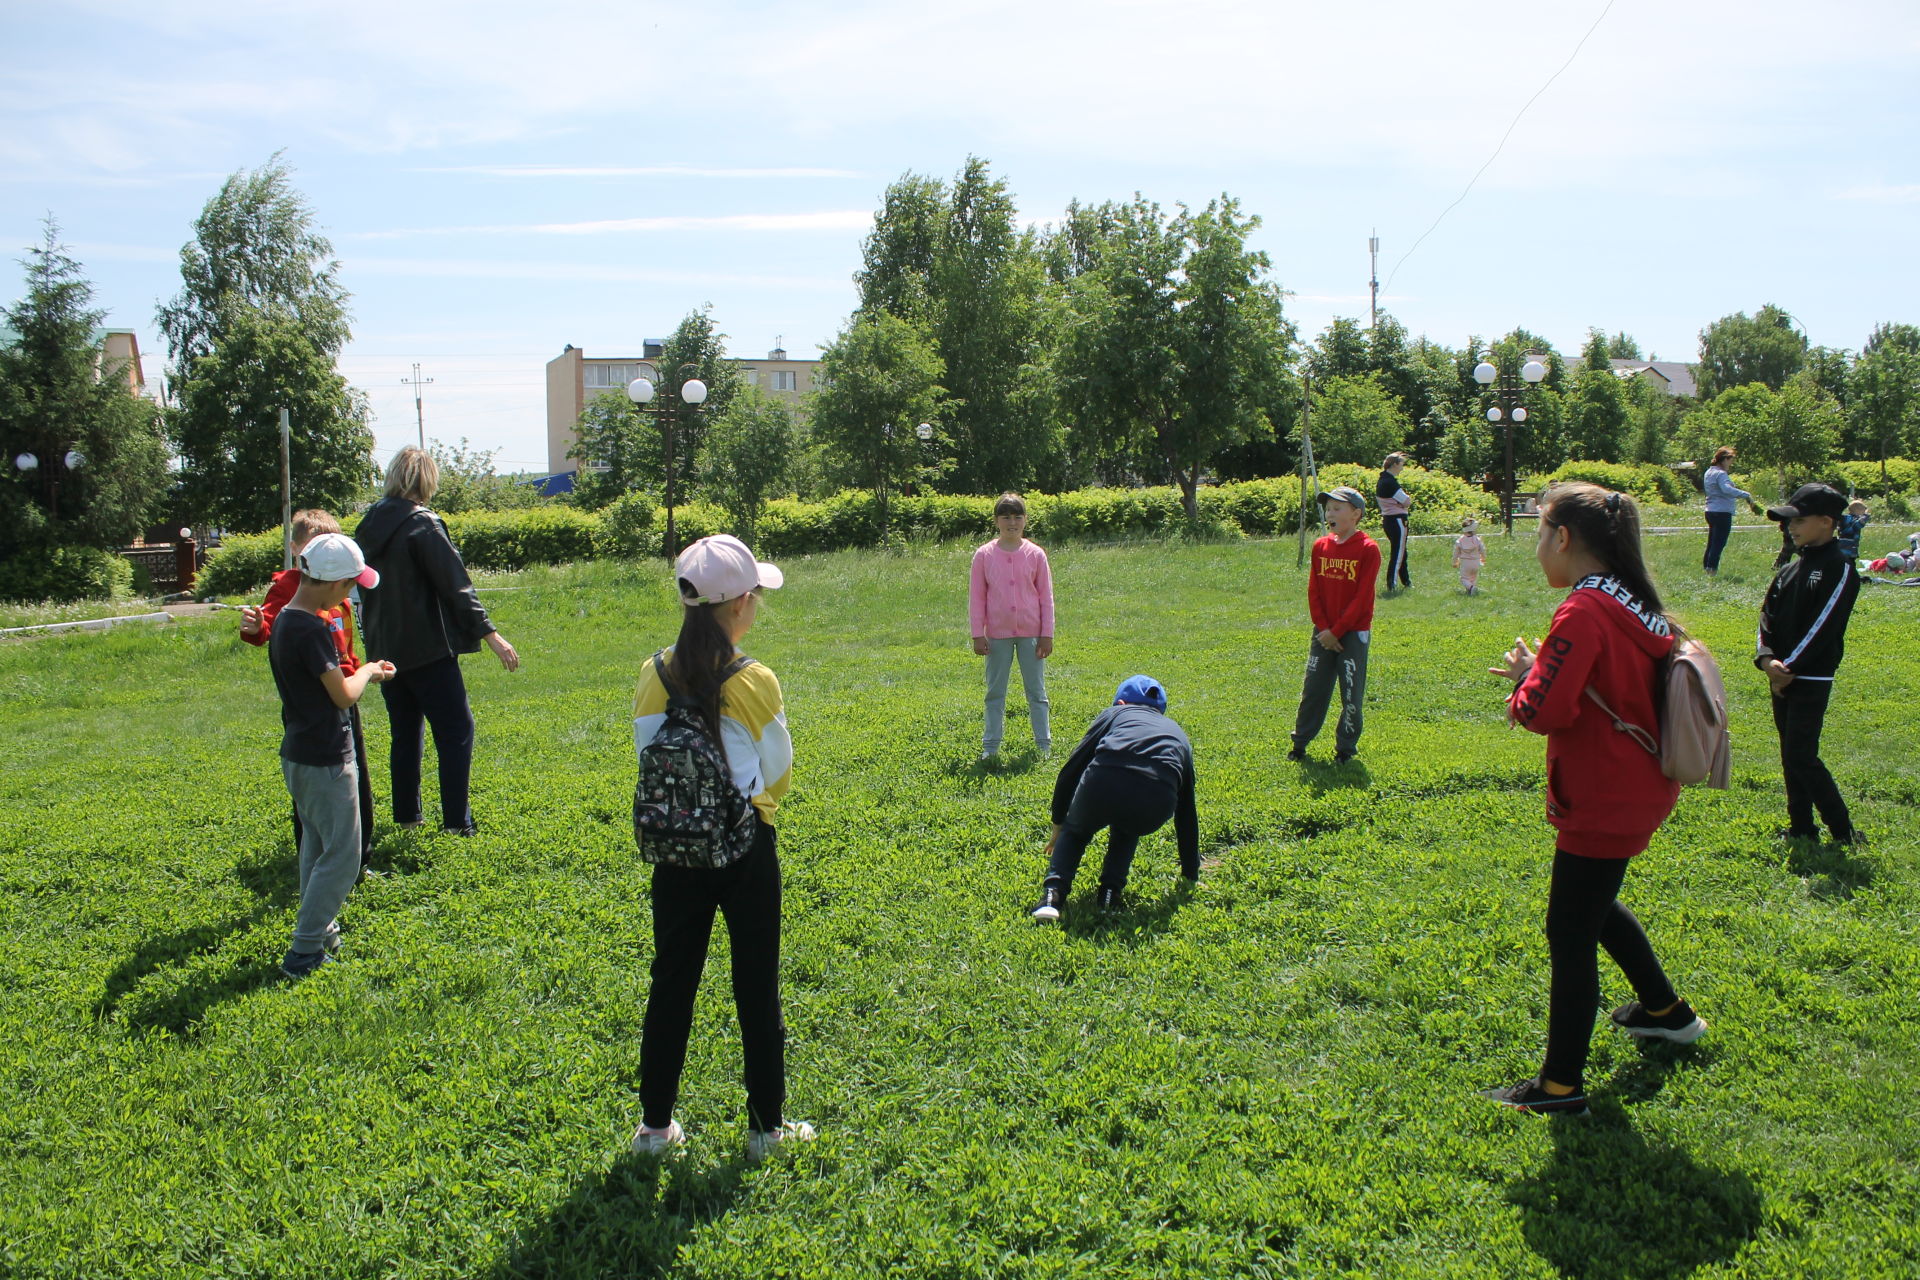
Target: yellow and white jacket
[753,730]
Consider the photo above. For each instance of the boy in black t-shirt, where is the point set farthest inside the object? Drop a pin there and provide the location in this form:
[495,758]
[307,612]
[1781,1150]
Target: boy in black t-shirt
[316,745]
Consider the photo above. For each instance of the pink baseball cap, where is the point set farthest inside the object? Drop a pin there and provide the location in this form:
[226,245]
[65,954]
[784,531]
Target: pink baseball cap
[334,557]
[721,568]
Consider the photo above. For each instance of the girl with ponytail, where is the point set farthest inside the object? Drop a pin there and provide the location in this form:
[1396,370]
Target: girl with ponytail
[1606,795]
[739,701]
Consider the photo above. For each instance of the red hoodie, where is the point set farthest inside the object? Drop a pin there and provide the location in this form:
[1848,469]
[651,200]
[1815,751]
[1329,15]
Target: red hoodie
[1605,792]
[339,621]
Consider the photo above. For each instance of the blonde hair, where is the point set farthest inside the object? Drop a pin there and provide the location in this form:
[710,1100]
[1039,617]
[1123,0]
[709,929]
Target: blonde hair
[310,524]
[414,475]
[1009,504]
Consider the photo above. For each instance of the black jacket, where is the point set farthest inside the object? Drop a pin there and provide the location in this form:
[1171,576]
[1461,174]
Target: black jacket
[1145,742]
[425,608]
[1803,621]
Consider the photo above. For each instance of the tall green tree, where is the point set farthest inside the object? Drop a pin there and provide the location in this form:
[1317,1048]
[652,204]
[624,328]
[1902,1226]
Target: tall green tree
[1884,413]
[881,380]
[226,425]
[261,298]
[1794,430]
[1738,349]
[1622,346]
[1597,408]
[1176,343]
[59,402]
[619,448]
[1355,419]
[750,454]
[696,349]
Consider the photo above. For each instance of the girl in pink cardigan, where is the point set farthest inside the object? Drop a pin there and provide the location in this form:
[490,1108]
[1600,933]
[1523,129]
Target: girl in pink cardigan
[1011,608]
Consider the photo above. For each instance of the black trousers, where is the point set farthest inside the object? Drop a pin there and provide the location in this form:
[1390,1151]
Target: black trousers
[1129,805]
[1396,527]
[1799,714]
[1584,912]
[1719,529]
[684,900]
[366,792]
[433,695]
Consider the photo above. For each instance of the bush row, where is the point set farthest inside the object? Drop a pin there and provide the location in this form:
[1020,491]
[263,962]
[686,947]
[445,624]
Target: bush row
[66,573]
[634,527]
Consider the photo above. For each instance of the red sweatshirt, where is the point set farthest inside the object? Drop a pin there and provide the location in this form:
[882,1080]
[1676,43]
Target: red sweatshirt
[1605,792]
[1340,583]
[339,621]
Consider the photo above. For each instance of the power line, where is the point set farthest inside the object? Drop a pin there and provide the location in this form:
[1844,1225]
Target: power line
[1503,142]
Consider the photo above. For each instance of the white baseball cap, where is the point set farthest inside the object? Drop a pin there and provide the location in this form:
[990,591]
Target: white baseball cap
[721,568]
[334,557]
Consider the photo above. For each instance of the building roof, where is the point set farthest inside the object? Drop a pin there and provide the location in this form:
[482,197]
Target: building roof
[1676,376]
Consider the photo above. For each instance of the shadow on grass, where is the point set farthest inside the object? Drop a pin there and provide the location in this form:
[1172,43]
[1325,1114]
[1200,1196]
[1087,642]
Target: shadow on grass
[1831,870]
[627,1220]
[1138,921]
[972,773]
[1322,776]
[1610,1205]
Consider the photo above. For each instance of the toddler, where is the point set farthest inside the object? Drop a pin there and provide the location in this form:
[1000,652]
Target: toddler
[1469,553]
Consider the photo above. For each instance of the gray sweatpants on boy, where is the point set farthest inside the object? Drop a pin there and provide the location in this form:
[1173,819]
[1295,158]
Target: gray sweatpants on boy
[1347,666]
[1033,676]
[327,798]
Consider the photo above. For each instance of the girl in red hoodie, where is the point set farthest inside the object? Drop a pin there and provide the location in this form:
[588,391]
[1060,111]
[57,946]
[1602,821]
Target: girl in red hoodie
[1606,795]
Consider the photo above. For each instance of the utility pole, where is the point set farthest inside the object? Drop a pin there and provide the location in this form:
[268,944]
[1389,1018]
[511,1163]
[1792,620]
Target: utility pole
[419,412]
[286,490]
[1373,308]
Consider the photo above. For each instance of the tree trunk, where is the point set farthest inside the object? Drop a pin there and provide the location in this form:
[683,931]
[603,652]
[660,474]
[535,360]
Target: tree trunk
[1189,492]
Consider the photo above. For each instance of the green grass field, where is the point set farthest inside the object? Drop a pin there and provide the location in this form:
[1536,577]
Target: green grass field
[1274,1076]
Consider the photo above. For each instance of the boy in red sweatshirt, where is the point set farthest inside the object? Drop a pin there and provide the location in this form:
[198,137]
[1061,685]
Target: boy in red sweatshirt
[1340,599]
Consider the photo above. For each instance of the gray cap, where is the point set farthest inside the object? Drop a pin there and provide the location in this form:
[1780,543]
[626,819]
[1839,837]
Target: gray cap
[1345,493]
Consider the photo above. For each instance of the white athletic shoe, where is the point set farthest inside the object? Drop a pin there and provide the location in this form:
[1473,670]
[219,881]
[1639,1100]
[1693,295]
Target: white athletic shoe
[658,1142]
[762,1145]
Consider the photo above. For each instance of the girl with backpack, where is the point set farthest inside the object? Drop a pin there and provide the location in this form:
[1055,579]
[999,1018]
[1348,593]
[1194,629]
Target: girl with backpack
[1606,793]
[722,708]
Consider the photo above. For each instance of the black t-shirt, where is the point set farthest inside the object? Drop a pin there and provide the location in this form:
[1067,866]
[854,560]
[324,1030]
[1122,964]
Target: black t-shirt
[300,652]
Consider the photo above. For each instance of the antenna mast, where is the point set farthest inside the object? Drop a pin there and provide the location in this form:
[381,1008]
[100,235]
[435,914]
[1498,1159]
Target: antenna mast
[1373,254]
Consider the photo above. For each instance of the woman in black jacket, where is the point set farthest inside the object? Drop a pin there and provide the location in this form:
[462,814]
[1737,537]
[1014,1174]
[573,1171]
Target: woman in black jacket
[421,617]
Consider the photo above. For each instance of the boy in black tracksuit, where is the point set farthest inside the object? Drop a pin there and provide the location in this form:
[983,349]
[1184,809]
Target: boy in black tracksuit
[1803,627]
[1131,772]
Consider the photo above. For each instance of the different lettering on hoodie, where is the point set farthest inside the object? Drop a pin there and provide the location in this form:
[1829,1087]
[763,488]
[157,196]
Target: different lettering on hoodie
[1552,656]
[1655,623]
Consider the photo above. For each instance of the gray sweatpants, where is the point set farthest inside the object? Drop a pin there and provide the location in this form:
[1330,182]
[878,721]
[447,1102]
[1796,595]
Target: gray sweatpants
[1033,677]
[1325,667]
[327,798]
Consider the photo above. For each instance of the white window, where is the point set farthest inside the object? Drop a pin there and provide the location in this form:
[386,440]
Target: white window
[749,377]
[785,380]
[608,375]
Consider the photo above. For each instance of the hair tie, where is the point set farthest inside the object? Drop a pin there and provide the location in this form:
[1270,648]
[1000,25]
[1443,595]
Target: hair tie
[1613,504]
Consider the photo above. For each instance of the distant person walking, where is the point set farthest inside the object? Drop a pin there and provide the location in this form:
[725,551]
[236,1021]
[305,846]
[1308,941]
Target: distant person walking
[1395,505]
[1722,501]
[422,616]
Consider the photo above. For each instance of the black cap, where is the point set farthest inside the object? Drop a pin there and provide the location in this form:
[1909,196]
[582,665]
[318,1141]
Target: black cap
[1810,500]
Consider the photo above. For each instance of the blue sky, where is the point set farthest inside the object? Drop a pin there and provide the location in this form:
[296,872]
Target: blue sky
[498,182]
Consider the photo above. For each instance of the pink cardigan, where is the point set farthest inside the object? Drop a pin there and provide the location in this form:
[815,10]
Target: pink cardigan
[1012,592]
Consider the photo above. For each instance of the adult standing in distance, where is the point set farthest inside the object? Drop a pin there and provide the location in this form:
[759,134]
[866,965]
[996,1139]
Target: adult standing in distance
[1395,503]
[1722,501]
[423,616]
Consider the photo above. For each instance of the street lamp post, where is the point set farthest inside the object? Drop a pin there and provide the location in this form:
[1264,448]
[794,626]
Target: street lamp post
[924,433]
[73,461]
[644,391]
[1507,409]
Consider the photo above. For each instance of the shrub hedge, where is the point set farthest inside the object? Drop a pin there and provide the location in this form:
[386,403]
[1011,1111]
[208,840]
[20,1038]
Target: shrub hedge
[66,573]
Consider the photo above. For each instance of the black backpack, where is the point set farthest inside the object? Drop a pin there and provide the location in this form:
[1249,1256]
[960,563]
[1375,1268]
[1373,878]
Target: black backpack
[687,812]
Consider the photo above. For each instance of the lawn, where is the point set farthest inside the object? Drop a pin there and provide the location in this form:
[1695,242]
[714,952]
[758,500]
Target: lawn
[1273,1076]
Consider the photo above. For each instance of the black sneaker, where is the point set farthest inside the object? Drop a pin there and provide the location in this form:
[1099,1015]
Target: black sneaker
[299,964]
[472,828]
[1297,754]
[1051,900]
[1854,839]
[1529,1095]
[1679,1024]
[1341,757]
[1110,900]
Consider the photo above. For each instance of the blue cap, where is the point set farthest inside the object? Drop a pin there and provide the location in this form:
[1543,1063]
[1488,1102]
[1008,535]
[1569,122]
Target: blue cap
[1142,691]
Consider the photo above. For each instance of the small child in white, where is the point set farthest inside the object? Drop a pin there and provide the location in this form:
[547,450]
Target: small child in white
[1469,553]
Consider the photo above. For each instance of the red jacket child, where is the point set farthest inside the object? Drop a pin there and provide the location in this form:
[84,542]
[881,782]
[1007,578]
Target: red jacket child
[339,621]
[1340,584]
[1605,792]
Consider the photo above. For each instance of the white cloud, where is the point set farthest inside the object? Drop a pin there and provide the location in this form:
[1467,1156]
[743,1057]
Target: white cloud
[500,269]
[830,220]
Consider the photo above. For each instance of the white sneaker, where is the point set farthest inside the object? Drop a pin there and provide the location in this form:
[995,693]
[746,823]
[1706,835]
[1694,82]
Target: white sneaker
[330,937]
[658,1142]
[762,1145]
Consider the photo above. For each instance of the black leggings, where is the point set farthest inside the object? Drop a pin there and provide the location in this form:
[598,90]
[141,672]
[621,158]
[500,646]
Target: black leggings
[1397,554]
[431,695]
[684,900]
[1584,912]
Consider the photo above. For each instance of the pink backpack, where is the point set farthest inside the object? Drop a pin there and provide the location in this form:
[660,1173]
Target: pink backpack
[1694,745]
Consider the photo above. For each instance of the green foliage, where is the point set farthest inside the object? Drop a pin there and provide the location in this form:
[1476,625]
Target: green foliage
[750,454]
[60,573]
[1884,413]
[1597,409]
[1739,349]
[1648,483]
[242,562]
[882,379]
[1271,1074]
[468,482]
[631,526]
[1355,419]
[54,403]
[1876,479]
[515,539]
[620,450]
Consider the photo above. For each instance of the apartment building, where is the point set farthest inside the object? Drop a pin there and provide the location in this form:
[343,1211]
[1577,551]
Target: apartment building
[575,379]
